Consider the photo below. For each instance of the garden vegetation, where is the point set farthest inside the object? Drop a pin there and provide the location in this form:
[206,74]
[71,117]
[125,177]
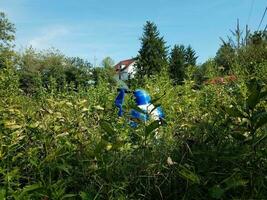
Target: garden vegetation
[61,137]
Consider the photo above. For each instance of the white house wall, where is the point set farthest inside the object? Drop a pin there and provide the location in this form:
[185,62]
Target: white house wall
[127,73]
[131,69]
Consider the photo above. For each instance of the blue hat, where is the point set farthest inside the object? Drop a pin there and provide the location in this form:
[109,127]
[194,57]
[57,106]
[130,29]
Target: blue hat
[141,97]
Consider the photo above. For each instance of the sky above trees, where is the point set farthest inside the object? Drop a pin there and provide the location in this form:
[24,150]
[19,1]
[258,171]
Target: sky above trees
[94,29]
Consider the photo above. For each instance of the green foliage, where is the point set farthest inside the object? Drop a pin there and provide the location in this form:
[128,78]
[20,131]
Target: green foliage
[104,75]
[209,69]
[73,145]
[38,69]
[108,62]
[190,56]
[177,64]
[246,53]
[70,144]
[152,57]
[180,59]
[7,32]
[251,57]
[225,58]
[7,36]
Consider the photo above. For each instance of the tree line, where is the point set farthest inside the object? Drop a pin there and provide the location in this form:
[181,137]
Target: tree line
[247,51]
[51,69]
[61,138]
[153,56]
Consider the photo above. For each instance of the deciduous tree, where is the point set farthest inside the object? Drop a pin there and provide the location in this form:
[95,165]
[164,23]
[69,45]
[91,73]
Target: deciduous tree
[7,36]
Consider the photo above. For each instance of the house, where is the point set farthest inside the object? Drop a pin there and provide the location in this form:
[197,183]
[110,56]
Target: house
[125,69]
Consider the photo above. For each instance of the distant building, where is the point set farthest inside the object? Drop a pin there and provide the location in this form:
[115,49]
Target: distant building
[221,80]
[125,69]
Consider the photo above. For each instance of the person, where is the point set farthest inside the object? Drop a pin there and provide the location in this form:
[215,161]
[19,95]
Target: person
[143,101]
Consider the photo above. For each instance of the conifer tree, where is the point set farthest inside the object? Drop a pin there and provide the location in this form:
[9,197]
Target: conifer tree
[190,56]
[152,57]
[177,64]
[180,59]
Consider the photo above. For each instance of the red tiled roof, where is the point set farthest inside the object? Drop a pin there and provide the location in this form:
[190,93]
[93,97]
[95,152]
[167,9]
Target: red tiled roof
[126,64]
[222,80]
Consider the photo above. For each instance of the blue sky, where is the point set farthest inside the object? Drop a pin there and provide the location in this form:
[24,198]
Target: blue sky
[99,28]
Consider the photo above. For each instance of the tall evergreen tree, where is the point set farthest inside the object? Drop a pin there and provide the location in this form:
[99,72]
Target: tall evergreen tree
[180,59]
[177,64]
[152,57]
[190,56]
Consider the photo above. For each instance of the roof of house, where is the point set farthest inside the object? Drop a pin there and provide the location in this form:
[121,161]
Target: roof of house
[126,64]
[222,80]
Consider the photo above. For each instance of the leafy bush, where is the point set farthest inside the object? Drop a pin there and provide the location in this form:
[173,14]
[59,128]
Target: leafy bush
[64,140]
[72,144]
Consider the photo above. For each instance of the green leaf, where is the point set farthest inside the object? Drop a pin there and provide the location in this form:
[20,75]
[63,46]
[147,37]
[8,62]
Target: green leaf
[254,94]
[259,139]
[117,145]
[64,167]
[85,196]
[66,196]
[107,127]
[216,192]
[156,99]
[238,136]
[234,181]
[100,146]
[2,193]
[12,125]
[233,111]
[188,175]
[260,119]
[151,127]
[29,188]
[263,95]
[98,107]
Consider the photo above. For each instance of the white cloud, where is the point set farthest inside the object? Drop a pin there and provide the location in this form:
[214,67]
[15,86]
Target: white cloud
[48,37]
